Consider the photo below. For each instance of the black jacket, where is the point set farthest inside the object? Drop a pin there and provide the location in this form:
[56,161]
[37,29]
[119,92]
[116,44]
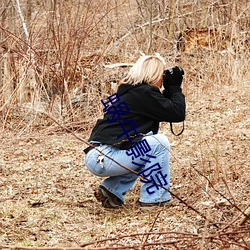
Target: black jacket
[147,107]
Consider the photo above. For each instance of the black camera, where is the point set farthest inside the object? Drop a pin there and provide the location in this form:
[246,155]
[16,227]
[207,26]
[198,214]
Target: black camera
[173,76]
[171,70]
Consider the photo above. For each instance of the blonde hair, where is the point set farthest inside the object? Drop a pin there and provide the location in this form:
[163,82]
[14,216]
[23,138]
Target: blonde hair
[148,69]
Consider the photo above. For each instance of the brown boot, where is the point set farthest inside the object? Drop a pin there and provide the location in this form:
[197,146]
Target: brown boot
[107,199]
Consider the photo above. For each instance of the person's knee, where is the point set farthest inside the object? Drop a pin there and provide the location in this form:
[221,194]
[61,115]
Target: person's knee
[162,140]
[158,141]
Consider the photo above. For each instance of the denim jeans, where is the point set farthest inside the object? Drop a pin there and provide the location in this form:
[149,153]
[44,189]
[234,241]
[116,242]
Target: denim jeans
[120,180]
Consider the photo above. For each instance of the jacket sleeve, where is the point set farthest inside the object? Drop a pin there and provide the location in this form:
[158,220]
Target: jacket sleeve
[169,107]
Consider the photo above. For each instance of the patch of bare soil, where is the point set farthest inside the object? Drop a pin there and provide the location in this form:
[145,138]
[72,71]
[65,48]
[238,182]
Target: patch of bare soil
[46,192]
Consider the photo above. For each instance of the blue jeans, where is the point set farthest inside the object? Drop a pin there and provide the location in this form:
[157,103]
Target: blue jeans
[120,180]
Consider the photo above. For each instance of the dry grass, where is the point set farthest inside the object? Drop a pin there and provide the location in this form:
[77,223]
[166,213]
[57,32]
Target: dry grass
[46,193]
[47,199]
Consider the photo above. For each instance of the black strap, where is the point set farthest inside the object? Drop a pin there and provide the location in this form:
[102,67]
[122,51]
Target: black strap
[91,146]
[172,130]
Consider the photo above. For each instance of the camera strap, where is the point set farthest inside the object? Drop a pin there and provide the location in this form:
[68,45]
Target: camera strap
[172,130]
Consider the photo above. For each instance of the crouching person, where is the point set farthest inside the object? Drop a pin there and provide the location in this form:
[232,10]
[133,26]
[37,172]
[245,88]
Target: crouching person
[128,133]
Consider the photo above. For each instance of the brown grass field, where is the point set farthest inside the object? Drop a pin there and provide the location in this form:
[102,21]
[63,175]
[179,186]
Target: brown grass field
[63,67]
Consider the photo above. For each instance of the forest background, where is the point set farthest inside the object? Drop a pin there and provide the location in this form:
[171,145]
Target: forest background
[58,59]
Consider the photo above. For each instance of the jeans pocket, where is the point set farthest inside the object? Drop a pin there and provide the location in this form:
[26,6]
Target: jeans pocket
[95,161]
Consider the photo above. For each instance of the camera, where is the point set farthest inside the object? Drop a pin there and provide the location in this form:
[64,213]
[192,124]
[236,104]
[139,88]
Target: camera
[171,70]
[173,76]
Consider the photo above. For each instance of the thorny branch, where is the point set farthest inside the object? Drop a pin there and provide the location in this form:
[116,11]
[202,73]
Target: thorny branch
[233,204]
[174,237]
[130,170]
[216,190]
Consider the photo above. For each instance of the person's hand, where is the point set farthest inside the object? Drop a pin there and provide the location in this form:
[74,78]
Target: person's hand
[172,77]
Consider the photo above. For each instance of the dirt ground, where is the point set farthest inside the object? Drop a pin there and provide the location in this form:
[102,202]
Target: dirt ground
[46,192]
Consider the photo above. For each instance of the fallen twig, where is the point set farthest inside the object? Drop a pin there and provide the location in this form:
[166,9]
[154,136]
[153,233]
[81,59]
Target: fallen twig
[246,216]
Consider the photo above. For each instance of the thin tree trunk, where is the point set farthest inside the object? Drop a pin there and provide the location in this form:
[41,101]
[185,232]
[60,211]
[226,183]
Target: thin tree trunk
[28,90]
[28,13]
[203,22]
[150,9]
[6,78]
[171,20]
[20,13]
